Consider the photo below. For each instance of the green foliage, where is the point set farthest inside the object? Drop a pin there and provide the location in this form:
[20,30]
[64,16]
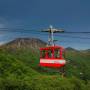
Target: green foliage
[19,71]
[78,64]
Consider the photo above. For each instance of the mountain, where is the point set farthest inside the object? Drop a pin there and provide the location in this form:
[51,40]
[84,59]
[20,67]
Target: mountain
[32,43]
[22,43]
[71,49]
[86,51]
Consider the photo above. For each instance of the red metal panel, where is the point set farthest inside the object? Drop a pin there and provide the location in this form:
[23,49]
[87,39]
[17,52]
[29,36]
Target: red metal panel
[51,65]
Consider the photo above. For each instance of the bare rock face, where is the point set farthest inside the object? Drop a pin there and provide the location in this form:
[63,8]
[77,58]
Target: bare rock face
[25,43]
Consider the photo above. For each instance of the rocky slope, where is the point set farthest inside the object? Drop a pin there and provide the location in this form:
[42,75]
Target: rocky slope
[22,43]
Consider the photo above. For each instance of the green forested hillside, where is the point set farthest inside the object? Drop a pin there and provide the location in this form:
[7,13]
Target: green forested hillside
[78,64]
[19,70]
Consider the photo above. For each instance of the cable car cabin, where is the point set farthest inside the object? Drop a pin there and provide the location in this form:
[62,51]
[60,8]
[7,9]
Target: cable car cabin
[52,57]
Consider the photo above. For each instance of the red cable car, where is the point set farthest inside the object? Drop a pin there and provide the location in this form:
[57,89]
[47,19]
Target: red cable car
[52,56]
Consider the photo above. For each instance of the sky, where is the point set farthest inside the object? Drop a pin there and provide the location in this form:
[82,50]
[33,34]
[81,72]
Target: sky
[71,15]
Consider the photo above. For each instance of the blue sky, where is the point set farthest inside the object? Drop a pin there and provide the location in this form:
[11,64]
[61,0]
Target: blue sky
[71,15]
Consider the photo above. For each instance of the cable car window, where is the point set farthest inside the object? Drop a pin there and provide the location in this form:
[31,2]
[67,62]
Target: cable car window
[43,53]
[50,54]
[57,53]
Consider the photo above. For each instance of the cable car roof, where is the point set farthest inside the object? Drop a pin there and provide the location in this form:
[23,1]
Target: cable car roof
[52,47]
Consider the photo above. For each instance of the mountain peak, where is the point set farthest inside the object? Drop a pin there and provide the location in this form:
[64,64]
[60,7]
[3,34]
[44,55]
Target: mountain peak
[26,43]
[71,49]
